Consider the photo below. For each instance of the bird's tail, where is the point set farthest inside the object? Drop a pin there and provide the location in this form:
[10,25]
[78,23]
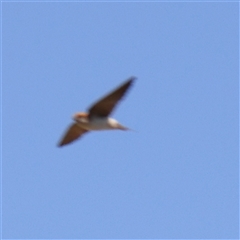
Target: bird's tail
[121,127]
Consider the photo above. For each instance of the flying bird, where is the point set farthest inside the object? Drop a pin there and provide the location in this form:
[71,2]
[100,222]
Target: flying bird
[97,117]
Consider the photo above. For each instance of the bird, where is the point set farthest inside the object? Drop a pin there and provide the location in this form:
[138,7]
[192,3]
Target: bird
[97,117]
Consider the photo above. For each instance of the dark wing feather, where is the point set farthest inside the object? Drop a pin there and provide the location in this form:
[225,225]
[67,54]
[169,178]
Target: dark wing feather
[73,133]
[105,105]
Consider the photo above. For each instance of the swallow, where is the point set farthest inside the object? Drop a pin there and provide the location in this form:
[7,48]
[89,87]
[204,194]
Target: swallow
[97,117]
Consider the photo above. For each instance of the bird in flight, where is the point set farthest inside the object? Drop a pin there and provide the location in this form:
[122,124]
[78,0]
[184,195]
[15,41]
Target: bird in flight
[97,117]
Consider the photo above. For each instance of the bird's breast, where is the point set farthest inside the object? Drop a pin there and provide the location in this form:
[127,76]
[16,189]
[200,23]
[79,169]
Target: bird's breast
[97,123]
[103,123]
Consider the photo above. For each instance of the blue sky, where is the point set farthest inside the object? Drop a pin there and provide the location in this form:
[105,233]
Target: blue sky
[176,175]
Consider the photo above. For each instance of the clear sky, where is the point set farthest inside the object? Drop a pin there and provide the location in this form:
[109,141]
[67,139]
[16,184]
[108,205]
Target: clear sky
[176,175]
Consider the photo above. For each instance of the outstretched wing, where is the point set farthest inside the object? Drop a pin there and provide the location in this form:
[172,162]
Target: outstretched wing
[73,133]
[105,105]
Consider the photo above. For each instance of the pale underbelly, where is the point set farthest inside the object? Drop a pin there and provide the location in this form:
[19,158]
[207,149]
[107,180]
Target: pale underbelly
[98,124]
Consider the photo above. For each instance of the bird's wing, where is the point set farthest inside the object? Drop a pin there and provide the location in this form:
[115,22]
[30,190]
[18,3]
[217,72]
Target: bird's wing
[73,133]
[105,105]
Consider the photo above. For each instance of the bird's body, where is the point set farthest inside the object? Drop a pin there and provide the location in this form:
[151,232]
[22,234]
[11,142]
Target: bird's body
[98,123]
[97,117]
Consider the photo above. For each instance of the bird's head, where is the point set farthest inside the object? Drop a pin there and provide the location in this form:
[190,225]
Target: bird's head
[80,117]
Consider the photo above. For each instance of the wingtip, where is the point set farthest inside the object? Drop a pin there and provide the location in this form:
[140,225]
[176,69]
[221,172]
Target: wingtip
[132,78]
[60,145]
